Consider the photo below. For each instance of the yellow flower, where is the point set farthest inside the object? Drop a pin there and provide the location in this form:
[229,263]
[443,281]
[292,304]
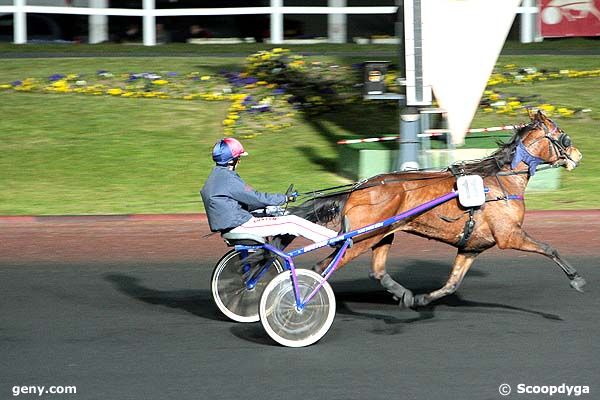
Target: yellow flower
[160,82]
[228,122]
[205,78]
[5,86]
[115,92]
[60,83]
[261,83]
[565,112]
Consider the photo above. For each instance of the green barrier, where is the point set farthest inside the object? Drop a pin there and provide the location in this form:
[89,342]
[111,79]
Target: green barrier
[363,160]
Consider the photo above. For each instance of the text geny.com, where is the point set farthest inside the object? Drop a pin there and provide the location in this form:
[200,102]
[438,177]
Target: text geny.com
[41,390]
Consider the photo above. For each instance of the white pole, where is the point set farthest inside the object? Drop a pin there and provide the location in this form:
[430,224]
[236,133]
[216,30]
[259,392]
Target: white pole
[20,22]
[149,23]
[98,24]
[336,23]
[276,22]
[528,22]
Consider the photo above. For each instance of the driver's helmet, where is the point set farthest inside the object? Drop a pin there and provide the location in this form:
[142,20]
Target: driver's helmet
[227,150]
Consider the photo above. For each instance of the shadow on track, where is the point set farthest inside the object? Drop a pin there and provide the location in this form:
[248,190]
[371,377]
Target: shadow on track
[350,294]
[420,277]
[196,302]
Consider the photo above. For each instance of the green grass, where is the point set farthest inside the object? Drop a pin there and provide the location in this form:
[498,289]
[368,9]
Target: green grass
[75,154]
[567,44]
[69,154]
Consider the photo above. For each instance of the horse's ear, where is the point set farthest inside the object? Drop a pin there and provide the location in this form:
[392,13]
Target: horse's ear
[540,116]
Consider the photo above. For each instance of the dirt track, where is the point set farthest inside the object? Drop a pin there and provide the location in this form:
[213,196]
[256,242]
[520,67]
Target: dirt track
[158,238]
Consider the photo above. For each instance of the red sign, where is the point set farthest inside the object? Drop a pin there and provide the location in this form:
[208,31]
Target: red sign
[560,18]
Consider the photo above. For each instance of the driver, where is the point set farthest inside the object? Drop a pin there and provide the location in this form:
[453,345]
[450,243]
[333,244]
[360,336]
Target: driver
[228,201]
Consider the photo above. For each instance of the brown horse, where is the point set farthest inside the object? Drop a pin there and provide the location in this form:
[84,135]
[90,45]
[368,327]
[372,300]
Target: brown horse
[497,222]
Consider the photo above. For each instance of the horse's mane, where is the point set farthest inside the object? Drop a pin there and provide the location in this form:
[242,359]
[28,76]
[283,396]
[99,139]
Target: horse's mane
[493,163]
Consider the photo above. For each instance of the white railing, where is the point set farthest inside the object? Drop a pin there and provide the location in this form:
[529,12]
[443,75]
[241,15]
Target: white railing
[149,12]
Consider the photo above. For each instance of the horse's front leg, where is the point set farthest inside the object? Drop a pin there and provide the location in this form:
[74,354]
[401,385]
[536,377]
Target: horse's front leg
[462,263]
[520,240]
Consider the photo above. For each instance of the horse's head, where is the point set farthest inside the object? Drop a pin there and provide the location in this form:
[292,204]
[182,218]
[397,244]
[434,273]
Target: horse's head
[546,143]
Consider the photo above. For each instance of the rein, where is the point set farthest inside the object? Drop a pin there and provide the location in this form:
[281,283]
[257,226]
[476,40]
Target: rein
[359,185]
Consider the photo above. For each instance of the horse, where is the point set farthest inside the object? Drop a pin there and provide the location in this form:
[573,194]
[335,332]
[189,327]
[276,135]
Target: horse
[498,222]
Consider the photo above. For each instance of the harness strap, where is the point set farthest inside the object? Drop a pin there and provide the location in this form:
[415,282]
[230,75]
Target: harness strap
[467,230]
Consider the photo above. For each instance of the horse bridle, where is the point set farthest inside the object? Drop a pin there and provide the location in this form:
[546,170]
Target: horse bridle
[559,145]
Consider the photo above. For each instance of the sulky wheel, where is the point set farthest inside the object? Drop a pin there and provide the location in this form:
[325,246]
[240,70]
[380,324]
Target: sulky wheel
[284,322]
[231,294]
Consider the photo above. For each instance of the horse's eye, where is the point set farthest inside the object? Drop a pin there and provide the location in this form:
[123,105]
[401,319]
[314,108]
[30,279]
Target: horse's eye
[565,140]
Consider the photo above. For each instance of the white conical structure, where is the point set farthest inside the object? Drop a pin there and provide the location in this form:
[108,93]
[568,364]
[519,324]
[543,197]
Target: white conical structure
[461,43]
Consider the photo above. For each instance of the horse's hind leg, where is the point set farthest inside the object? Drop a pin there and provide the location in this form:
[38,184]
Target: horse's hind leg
[522,241]
[380,253]
[462,263]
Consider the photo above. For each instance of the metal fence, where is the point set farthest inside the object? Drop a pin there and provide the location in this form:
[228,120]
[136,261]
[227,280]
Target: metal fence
[99,11]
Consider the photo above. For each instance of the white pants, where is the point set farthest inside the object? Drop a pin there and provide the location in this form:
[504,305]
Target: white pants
[287,224]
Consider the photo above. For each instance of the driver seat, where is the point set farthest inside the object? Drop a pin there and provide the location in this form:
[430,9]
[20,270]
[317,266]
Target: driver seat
[247,239]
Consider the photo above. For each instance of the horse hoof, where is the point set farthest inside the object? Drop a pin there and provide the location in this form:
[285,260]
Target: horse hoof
[408,300]
[578,283]
[420,300]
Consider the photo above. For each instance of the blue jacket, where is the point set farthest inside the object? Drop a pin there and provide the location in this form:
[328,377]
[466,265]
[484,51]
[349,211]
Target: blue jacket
[228,199]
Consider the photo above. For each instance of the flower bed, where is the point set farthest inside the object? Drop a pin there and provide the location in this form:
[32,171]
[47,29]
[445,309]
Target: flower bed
[276,85]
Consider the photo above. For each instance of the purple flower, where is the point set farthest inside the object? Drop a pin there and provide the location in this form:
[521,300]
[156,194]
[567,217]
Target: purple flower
[327,90]
[17,83]
[279,91]
[171,73]
[56,77]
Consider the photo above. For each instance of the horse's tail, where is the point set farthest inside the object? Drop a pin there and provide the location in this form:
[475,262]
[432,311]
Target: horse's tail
[321,210]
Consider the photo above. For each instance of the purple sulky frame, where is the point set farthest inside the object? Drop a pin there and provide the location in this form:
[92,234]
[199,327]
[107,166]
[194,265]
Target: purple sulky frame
[346,240]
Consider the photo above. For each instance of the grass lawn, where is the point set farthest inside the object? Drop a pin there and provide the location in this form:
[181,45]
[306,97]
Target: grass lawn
[76,154]
[567,44]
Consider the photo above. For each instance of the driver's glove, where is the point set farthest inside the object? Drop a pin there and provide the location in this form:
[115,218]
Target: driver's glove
[292,196]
